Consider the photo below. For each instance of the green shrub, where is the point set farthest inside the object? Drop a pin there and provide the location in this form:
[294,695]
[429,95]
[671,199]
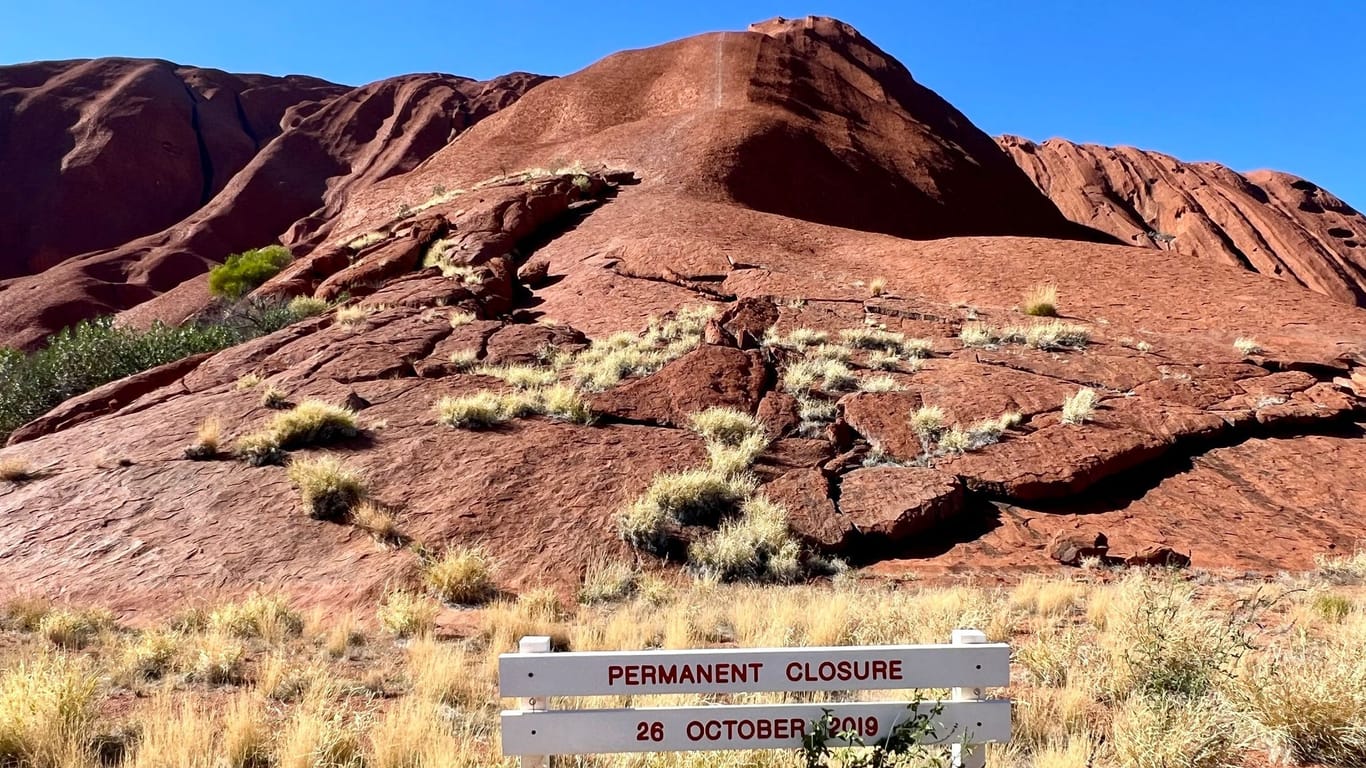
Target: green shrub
[243,272]
[95,352]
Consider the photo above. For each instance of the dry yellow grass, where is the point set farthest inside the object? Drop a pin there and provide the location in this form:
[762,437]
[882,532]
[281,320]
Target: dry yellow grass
[1041,300]
[461,575]
[1103,669]
[15,469]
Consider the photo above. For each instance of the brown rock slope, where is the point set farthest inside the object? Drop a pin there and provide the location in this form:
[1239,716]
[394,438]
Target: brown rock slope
[1245,462]
[288,191]
[99,152]
[1265,221]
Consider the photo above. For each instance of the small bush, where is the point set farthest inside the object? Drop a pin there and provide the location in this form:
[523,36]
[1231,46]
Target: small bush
[1332,607]
[1041,301]
[1078,408]
[873,338]
[460,317]
[1247,346]
[327,488]
[520,376]
[462,575]
[48,710]
[249,381]
[917,349]
[464,360]
[927,422]
[806,337]
[152,656]
[303,307]
[205,445]
[352,316]
[877,286]
[757,546]
[726,426]
[836,376]
[733,460]
[826,353]
[217,659]
[405,614]
[274,398]
[1308,707]
[72,630]
[1342,569]
[243,272]
[1166,733]
[801,377]
[259,450]
[1053,335]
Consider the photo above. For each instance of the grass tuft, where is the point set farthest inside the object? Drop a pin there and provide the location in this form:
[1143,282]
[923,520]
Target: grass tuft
[16,470]
[462,575]
[1247,346]
[726,426]
[327,487]
[757,546]
[1079,407]
[1041,301]
[206,443]
[407,614]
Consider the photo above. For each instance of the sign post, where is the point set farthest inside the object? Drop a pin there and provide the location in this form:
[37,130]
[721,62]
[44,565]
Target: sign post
[530,645]
[965,724]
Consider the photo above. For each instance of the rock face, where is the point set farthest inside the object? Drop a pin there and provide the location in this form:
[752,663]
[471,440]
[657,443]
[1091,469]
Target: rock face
[100,152]
[1264,221]
[774,176]
[283,183]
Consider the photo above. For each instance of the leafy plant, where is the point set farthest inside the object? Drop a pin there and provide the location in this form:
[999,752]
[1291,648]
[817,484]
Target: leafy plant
[905,738]
[243,272]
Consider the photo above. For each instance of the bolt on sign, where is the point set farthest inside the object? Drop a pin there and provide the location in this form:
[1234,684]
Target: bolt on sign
[534,675]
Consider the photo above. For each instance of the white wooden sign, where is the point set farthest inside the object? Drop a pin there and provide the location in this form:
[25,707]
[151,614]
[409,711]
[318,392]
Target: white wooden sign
[534,675]
[757,726]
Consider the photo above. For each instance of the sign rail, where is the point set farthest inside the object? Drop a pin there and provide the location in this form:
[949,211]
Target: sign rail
[745,726]
[889,667]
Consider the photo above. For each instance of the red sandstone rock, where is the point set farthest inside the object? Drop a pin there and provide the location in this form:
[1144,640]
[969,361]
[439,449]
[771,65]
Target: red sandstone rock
[898,502]
[1268,222]
[733,208]
[805,494]
[1072,549]
[704,378]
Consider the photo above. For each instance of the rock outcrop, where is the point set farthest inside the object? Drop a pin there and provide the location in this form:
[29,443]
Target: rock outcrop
[774,176]
[1265,221]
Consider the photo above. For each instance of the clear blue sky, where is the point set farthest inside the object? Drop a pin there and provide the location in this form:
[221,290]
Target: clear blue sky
[1249,83]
